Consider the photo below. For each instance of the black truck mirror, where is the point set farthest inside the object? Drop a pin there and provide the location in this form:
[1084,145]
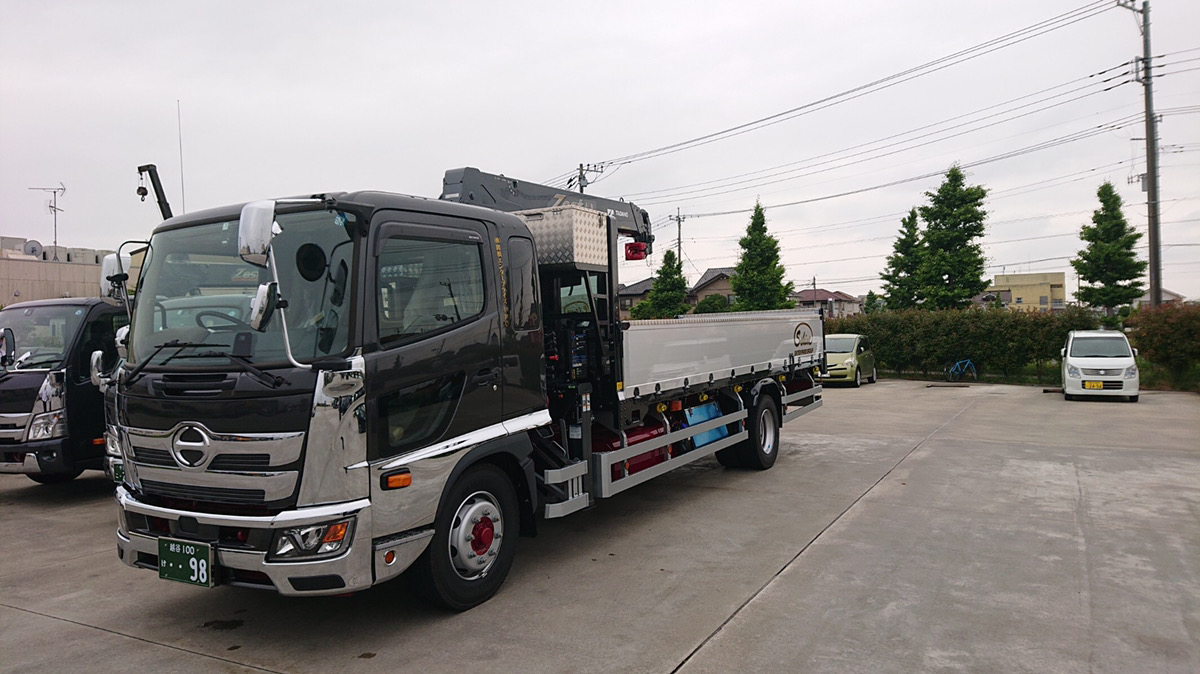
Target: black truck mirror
[255,229]
[8,347]
[265,301]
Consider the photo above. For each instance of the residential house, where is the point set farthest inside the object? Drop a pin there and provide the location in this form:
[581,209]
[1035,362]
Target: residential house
[629,295]
[835,303]
[1168,297]
[714,281]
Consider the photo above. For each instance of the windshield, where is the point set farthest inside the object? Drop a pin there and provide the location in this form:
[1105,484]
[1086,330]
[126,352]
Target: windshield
[42,333]
[194,288]
[839,344]
[1100,347]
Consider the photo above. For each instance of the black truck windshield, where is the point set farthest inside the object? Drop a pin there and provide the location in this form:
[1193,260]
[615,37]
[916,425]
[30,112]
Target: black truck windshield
[196,290]
[42,333]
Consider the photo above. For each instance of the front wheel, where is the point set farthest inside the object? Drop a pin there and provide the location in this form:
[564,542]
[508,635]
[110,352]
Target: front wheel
[857,378]
[54,478]
[1133,399]
[474,540]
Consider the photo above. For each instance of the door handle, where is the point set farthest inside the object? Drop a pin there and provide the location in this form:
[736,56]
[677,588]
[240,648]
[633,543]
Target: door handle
[485,377]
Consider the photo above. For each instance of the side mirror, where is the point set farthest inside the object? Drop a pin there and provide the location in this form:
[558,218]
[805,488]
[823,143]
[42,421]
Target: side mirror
[1135,353]
[96,372]
[8,347]
[265,301]
[1062,352]
[123,342]
[255,229]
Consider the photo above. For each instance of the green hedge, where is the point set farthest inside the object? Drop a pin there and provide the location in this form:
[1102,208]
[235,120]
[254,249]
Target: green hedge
[1169,337]
[1000,342]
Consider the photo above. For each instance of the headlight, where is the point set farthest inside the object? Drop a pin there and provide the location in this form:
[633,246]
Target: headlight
[849,363]
[48,425]
[311,542]
[1072,371]
[1131,372]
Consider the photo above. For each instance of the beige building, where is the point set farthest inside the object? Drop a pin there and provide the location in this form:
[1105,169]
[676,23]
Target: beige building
[28,271]
[1032,292]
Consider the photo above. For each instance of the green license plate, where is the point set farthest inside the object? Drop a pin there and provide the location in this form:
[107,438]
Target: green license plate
[118,471]
[186,561]
[1095,385]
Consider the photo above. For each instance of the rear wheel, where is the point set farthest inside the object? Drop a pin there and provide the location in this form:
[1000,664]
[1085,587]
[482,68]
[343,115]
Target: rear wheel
[762,447]
[54,478]
[874,375]
[474,540]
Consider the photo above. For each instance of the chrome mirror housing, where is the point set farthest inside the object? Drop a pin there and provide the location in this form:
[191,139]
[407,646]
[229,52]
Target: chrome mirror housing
[265,301]
[255,229]
[96,372]
[123,342]
[8,347]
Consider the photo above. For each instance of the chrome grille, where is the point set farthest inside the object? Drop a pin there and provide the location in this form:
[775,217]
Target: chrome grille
[1103,372]
[240,462]
[12,427]
[153,457]
[195,493]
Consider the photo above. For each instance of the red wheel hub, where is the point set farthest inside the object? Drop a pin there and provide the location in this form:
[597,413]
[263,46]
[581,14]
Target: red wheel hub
[482,535]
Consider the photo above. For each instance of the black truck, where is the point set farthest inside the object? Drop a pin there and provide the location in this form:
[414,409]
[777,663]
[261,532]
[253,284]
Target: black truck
[51,414]
[323,392]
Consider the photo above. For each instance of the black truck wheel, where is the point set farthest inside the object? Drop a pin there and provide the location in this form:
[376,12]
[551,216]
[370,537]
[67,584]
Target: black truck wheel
[474,540]
[54,478]
[762,447]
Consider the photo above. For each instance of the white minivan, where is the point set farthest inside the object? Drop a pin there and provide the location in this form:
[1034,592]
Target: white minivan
[1099,363]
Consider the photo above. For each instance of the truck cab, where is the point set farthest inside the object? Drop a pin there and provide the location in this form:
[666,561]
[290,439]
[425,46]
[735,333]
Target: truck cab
[52,425]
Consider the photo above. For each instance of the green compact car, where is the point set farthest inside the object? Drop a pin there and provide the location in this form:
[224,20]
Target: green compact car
[849,358]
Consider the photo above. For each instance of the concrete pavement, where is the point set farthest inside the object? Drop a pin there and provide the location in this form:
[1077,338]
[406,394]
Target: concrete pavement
[904,528]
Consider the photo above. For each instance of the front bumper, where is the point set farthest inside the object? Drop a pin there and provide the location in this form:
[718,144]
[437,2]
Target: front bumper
[838,374]
[1113,386]
[43,456]
[363,564]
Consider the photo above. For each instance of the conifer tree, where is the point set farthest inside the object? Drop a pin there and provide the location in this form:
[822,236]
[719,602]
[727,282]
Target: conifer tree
[952,262]
[668,295]
[900,287]
[1108,264]
[758,278]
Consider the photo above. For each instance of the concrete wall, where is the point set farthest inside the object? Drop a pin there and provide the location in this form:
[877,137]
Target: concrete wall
[33,279]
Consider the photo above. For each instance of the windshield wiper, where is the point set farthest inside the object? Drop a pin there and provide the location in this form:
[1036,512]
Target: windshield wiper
[273,381]
[174,344]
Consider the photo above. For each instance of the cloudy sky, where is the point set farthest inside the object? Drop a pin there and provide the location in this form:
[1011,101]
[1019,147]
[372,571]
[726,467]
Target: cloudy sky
[837,117]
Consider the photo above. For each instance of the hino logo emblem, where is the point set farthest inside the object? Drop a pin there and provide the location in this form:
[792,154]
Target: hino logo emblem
[189,446]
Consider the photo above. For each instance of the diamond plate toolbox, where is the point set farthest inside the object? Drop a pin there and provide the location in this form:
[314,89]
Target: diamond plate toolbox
[568,235]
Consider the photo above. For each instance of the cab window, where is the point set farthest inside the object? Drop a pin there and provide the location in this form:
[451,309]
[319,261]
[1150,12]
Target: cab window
[427,285]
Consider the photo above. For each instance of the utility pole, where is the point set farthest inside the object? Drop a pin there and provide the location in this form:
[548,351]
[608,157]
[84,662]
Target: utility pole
[678,233]
[53,206]
[581,180]
[1151,185]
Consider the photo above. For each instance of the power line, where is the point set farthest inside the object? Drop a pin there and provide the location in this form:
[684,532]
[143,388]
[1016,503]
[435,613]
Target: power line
[1061,21]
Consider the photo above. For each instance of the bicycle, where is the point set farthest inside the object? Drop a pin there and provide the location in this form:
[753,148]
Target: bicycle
[957,370]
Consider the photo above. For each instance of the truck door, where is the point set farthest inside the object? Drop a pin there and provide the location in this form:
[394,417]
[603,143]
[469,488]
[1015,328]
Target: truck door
[85,404]
[433,380]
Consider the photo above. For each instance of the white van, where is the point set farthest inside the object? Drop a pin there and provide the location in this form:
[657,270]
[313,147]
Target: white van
[1099,363]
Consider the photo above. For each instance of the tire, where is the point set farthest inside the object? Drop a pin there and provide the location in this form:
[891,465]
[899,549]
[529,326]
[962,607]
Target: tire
[1068,396]
[1133,399]
[857,378]
[874,375]
[54,478]
[479,521]
[760,450]
[730,457]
